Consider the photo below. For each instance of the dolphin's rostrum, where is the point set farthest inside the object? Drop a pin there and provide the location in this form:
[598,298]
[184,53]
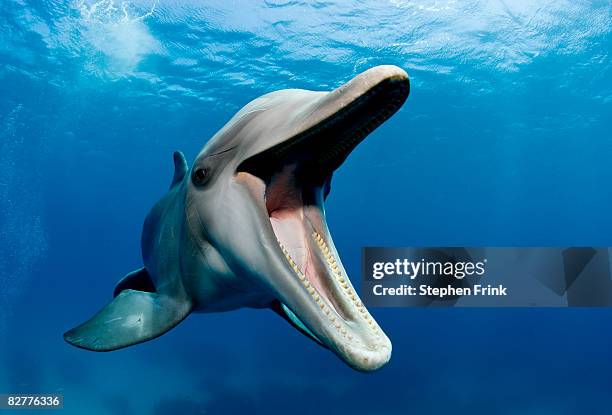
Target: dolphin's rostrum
[245,226]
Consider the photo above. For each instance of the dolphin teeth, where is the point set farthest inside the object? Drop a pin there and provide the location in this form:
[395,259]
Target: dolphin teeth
[342,281]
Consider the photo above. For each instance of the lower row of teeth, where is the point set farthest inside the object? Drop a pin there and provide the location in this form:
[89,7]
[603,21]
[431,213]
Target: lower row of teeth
[333,264]
[313,293]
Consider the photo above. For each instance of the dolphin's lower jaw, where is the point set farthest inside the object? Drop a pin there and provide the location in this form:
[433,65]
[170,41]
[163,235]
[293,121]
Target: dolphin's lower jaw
[293,178]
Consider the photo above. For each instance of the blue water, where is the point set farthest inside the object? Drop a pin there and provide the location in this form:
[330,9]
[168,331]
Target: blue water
[505,140]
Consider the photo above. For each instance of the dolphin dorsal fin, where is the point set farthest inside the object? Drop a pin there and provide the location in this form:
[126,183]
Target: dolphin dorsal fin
[180,168]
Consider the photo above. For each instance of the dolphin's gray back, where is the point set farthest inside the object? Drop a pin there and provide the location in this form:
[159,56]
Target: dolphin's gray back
[161,241]
[151,300]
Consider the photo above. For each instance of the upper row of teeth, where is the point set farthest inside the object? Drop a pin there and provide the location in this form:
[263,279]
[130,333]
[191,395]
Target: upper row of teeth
[313,293]
[349,291]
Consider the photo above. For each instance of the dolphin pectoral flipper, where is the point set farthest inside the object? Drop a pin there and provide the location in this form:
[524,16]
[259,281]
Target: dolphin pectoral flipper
[132,317]
[138,280]
[288,315]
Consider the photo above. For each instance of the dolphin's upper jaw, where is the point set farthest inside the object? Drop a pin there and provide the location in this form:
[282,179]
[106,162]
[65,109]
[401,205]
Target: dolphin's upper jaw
[289,181]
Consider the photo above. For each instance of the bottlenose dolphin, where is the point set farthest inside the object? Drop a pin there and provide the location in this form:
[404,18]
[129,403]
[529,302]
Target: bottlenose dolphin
[245,226]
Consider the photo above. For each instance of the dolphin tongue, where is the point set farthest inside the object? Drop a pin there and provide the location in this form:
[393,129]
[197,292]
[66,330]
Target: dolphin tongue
[340,322]
[295,225]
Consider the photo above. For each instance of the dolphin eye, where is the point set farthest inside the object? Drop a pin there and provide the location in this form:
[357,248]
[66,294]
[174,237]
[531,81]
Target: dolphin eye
[199,176]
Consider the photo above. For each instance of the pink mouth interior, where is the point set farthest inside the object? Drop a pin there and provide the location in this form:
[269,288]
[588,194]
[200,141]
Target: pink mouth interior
[294,222]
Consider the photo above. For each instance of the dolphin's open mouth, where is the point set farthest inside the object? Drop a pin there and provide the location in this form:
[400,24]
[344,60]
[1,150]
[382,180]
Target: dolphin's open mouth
[291,181]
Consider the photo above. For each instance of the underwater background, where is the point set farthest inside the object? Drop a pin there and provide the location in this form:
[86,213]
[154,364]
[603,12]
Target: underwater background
[505,140]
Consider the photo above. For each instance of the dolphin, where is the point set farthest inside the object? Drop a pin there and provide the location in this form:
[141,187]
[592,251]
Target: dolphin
[245,226]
